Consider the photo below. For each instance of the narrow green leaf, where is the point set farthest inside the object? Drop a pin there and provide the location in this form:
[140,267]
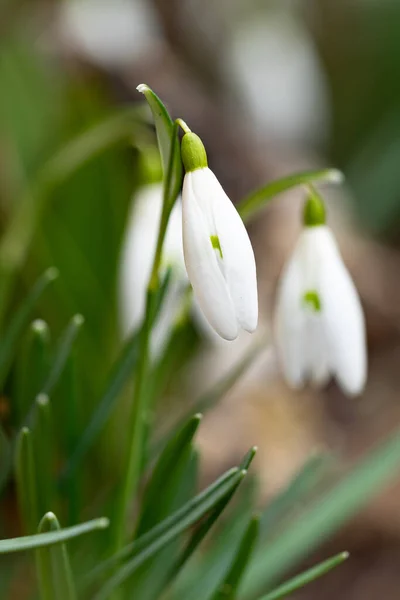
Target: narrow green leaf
[173,178]
[53,565]
[143,584]
[166,476]
[250,205]
[26,480]
[307,577]
[162,121]
[20,320]
[123,369]
[167,137]
[40,540]
[170,533]
[62,353]
[324,516]
[204,527]
[228,589]
[191,512]
[43,437]
[32,365]
[200,577]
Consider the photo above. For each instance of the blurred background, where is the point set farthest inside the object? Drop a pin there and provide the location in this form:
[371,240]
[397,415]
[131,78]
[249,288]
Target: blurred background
[272,87]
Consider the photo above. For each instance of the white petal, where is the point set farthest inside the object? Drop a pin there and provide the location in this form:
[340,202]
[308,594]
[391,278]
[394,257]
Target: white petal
[343,318]
[300,335]
[290,321]
[240,265]
[201,260]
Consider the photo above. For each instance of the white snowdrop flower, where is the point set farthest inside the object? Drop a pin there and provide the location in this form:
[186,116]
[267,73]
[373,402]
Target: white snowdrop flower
[137,260]
[319,321]
[218,254]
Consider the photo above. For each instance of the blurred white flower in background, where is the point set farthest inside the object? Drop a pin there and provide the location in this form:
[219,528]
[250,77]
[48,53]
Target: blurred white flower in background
[109,32]
[137,260]
[278,74]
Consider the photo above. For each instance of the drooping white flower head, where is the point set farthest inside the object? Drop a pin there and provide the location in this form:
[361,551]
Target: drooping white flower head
[319,321]
[218,254]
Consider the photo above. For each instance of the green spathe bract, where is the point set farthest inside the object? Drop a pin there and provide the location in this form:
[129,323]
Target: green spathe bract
[193,152]
[314,213]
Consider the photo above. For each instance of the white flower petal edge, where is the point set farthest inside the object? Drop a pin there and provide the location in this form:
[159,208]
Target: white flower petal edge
[226,285]
[316,344]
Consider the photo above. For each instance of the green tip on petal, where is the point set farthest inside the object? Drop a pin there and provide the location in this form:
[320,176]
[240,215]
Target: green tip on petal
[313,301]
[216,244]
[193,152]
[314,209]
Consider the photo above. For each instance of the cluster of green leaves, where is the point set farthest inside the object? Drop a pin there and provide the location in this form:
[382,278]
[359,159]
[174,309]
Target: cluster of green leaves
[63,442]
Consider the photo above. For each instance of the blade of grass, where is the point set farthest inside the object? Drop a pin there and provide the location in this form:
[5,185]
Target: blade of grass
[228,588]
[32,364]
[122,370]
[160,541]
[53,565]
[42,433]
[26,480]
[20,320]
[62,353]
[200,577]
[325,515]
[204,527]
[40,540]
[192,510]
[250,205]
[166,476]
[307,577]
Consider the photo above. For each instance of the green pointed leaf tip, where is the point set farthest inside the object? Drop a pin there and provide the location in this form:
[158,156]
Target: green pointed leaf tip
[163,123]
[307,577]
[248,458]
[166,475]
[314,213]
[193,152]
[40,327]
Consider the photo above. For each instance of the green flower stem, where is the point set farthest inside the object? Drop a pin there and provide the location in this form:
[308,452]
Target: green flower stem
[136,432]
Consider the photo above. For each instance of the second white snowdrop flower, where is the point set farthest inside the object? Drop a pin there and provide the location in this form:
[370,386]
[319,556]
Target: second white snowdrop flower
[218,254]
[319,322]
